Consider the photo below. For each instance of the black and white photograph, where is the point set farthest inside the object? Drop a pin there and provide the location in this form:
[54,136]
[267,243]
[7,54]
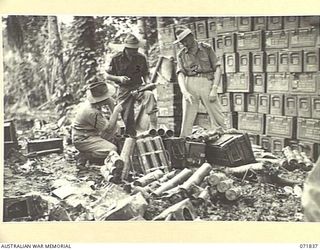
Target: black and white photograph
[161,118]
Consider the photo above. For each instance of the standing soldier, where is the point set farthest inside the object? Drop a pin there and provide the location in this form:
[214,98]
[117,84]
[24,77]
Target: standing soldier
[199,74]
[129,69]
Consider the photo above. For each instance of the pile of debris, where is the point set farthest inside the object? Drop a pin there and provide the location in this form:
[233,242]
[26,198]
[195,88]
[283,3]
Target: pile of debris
[210,175]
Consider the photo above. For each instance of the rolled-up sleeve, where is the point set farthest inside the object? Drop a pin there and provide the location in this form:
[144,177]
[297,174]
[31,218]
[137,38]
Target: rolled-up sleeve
[180,68]
[111,67]
[98,121]
[215,61]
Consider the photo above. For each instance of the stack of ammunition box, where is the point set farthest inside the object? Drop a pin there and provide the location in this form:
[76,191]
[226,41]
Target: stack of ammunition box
[270,85]
[10,137]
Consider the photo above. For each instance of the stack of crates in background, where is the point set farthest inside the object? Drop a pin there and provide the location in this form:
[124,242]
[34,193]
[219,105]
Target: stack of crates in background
[270,86]
[169,97]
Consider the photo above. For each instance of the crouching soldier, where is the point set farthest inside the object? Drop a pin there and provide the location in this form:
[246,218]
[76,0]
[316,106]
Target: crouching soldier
[92,132]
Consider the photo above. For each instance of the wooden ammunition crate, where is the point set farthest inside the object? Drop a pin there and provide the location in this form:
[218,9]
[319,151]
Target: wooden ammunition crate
[295,61]
[254,138]
[275,22]
[277,39]
[304,106]
[305,84]
[258,61]
[229,43]
[303,37]
[201,29]
[308,129]
[291,105]
[265,142]
[212,27]
[281,126]
[283,61]
[45,144]
[8,145]
[277,144]
[219,45]
[227,24]
[308,21]
[245,23]
[251,40]
[272,61]
[251,122]
[315,107]
[259,82]
[278,83]
[252,102]
[260,23]
[245,61]
[291,22]
[226,101]
[230,150]
[231,120]
[239,102]
[264,103]
[196,153]
[311,60]
[277,104]
[23,207]
[311,149]
[9,133]
[231,62]
[239,82]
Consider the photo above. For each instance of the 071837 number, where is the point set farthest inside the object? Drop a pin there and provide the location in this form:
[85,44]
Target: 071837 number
[308,246]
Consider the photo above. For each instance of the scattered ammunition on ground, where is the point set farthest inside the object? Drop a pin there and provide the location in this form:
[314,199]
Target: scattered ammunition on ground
[168,176]
[214,178]
[223,186]
[308,163]
[181,211]
[126,153]
[175,181]
[204,196]
[233,193]
[197,177]
[148,178]
[114,158]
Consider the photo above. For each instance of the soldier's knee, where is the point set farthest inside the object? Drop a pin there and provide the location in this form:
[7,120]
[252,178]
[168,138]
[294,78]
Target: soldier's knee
[113,148]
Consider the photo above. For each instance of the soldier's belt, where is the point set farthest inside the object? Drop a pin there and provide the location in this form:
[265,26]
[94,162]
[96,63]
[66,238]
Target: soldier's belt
[201,74]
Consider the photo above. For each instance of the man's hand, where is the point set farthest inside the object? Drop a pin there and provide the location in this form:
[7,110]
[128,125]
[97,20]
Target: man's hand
[134,93]
[123,79]
[213,94]
[118,108]
[187,96]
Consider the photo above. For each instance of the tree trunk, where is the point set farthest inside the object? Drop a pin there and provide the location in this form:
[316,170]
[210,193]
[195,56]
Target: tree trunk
[57,79]
[87,45]
[141,23]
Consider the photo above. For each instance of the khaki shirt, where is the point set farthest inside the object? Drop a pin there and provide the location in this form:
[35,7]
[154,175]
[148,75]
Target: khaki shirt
[200,59]
[89,120]
[121,65]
